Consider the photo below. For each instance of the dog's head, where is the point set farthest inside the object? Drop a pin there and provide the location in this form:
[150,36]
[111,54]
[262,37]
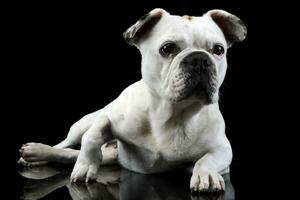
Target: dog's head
[184,57]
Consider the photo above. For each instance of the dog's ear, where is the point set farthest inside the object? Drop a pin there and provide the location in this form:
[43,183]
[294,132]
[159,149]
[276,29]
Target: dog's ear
[233,28]
[143,26]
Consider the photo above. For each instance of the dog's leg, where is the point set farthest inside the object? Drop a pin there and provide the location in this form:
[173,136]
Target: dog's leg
[21,161]
[73,138]
[37,152]
[77,130]
[207,170]
[89,158]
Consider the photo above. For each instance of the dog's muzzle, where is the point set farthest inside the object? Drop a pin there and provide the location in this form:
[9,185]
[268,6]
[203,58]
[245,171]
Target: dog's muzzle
[202,73]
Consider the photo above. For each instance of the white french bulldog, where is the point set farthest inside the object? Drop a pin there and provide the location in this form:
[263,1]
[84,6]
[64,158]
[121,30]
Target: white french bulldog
[168,118]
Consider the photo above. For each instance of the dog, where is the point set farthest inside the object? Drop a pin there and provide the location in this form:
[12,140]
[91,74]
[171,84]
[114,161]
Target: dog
[171,116]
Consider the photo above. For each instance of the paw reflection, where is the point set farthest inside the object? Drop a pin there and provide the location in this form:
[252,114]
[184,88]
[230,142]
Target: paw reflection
[115,183]
[92,190]
[43,181]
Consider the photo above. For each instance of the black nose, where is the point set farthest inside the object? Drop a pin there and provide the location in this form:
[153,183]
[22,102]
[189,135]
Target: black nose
[198,61]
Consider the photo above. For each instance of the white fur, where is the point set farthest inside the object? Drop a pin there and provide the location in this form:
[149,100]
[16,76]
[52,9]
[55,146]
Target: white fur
[153,133]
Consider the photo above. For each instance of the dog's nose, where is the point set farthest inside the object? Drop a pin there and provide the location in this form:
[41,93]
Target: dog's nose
[198,61]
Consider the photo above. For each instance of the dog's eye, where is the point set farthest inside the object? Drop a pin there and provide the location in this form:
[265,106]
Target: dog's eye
[218,50]
[168,49]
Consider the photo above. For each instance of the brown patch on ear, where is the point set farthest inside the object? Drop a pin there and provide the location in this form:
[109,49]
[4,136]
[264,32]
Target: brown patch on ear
[133,34]
[187,17]
[233,28]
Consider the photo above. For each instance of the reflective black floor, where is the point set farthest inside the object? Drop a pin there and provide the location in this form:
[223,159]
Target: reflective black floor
[52,182]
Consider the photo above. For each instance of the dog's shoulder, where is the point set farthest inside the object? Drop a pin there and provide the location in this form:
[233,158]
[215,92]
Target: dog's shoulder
[131,102]
[134,96]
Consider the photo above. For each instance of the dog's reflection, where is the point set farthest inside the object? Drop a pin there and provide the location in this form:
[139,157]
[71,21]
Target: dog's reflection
[115,183]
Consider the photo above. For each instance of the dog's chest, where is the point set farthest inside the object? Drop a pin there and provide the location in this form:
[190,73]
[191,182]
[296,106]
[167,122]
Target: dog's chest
[179,140]
[150,145]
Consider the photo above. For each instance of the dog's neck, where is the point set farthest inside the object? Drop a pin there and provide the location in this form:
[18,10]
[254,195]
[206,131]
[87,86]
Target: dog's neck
[168,111]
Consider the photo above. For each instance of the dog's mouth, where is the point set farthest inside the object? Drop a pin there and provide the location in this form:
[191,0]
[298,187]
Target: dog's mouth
[202,92]
[194,87]
[194,77]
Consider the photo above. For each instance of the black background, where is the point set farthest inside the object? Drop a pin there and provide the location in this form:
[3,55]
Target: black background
[69,59]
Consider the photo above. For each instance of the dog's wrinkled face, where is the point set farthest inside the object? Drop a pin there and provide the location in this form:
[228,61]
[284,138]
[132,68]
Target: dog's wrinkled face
[184,58]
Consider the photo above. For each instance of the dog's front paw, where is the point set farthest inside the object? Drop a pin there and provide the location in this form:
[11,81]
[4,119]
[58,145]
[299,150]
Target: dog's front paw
[207,181]
[84,171]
